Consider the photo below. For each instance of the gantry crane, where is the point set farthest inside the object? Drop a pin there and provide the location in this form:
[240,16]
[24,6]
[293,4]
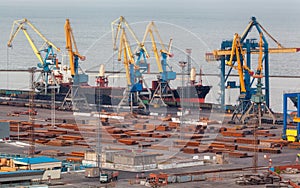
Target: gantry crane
[48,63]
[163,90]
[249,47]
[134,68]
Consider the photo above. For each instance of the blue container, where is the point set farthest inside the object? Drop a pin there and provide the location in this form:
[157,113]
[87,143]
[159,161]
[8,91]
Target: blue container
[184,178]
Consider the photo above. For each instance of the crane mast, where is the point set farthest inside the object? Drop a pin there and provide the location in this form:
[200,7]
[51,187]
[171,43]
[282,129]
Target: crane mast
[120,23]
[74,99]
[74,55]
[161,59]
[236,53]
[134,68]
[258,106]
[47,63]
[141,66]
[163,90]
[128,60]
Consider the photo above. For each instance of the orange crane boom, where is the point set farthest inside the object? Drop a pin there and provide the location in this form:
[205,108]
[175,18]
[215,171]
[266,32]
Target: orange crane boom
[73,55]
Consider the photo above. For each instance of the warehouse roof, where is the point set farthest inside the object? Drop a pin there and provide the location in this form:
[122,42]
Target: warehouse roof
[22,172]
[36,160]
[20,175]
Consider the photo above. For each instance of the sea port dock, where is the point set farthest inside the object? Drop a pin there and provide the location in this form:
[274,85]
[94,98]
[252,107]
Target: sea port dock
[148,122]
[70,141]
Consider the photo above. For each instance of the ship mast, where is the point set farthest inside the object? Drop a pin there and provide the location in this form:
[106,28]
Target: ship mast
[200,77]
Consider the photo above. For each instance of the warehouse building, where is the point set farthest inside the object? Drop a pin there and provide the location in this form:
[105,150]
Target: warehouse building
[51,166]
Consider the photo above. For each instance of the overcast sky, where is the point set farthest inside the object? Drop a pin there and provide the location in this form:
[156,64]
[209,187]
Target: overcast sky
[158,3]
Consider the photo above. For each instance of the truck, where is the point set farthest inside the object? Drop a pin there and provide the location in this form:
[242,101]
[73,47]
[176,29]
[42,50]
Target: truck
[106,177]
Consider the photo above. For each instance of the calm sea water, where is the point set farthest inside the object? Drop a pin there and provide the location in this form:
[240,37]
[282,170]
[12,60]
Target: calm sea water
[197,24]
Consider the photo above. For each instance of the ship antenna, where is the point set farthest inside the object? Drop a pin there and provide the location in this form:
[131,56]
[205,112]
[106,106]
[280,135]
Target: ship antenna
[200,76]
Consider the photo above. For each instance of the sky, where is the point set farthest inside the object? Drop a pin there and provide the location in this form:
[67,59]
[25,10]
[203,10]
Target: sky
[210,20]
[166,4]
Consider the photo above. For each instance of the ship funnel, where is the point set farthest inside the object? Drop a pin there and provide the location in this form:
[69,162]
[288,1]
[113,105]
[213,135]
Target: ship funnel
[193,75]
[101,70]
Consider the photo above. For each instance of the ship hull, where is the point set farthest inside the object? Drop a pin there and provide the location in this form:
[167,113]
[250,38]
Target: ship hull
[93,95]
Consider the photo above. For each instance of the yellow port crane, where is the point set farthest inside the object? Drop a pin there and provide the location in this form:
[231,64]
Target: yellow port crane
[218,53]
[118,27]
[134,68]
[151,30]
[163,90]
[74,100]
[120,23]
[258,106]
[280,49]
[236,51]
[47,63]
[128,60]
[74,55]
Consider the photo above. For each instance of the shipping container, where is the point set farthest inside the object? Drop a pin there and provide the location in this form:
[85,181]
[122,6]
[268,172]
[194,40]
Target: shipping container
[198,177]
[183,178]
[171,179]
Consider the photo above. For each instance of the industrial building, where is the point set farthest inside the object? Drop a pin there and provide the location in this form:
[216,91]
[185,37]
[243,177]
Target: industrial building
[51,166]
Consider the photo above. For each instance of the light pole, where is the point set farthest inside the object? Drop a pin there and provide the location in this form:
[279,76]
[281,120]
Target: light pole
[189,63]
[182,64]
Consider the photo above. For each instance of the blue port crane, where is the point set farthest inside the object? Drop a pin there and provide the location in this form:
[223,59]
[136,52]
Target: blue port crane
[166,74]
[74,56]
[291,118]
[47,63]
[250,46]
[134,68]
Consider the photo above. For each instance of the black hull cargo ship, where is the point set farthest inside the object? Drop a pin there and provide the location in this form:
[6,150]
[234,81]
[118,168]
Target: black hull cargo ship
[97,95]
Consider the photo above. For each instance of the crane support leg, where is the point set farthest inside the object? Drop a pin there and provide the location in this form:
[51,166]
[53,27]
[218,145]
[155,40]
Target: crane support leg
[291,134]
[251,112]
